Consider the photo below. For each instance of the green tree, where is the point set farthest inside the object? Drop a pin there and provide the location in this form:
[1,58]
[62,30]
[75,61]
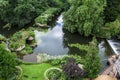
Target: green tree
[2,5]
[114,27]
[21,12]
[18,12]
[7,64]
[112,10]
[91,61]
[84,16]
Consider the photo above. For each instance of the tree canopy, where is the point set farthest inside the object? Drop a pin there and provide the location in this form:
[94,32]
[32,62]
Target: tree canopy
[112,10]
[84,16]
[7,64]
[91,60]
[21,12]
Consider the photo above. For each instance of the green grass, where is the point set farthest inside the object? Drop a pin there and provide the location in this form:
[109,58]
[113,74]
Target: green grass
[35,71]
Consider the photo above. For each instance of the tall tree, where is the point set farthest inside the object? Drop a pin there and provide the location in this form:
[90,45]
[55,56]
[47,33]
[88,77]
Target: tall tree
[91,61]
[7,64]
[84,16]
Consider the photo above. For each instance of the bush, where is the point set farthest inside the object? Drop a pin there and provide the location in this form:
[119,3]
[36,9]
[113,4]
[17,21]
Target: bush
[72,70]
[77,58]
[91,61]
[31,33]
[114,27]
[2,38]
[16,41]
[19,39]
[54,74]
[55,62]
[23,52]
[8,62]
[28,49]
[47,15]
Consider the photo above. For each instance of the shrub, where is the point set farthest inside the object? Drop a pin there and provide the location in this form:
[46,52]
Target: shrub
[28,49]
[72,70]
[16,41]
[23,52]
[77,58]
[54,74]
[47,15]
[31,33]
[2,38]
[8,62]
[55,62]
[64,59]
[19,39]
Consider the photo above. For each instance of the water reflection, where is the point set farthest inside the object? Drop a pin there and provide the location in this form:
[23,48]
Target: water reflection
[102,54]
[52,41]
[70,38]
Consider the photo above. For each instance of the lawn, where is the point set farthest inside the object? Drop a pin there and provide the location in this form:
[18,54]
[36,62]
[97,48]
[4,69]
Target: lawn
[35,71]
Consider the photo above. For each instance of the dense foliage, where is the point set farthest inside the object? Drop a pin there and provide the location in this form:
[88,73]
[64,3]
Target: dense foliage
[18,42]
[114,28]
[17,12]
[7,64]
[21,12]
[47,15]
[91,61]
[2,38]
[84,16]
[72,70]
[89,17]
[112,10]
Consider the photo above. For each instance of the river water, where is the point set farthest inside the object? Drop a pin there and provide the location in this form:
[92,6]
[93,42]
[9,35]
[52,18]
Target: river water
[55,41]
[51,42]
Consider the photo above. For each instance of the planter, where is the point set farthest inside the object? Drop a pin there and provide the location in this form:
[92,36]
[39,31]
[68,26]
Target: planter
[18,77]
[58,70]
